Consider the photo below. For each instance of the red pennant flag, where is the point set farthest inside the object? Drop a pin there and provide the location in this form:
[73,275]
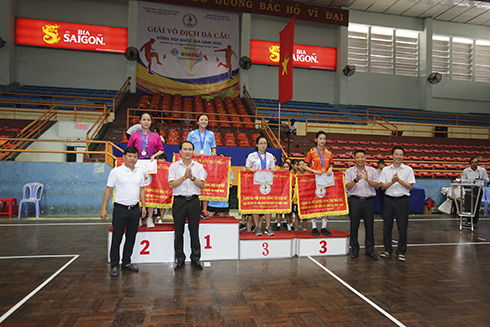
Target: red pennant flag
[286,37]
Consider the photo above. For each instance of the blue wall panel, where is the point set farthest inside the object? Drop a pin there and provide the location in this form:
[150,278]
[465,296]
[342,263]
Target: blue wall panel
[69,188]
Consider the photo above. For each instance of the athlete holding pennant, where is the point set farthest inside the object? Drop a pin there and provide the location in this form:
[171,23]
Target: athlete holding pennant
[320,160]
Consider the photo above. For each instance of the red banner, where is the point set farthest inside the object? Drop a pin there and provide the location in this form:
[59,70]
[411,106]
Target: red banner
[53,34]
[263,198]
[286,37]
[157,192]
[218,180]
[304,56]
[321,202]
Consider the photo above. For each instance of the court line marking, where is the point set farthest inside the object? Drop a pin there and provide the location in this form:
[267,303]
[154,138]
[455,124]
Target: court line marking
[356,292]
[25,299]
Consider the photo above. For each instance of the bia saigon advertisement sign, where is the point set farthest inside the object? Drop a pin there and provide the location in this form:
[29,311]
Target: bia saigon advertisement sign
[304,56]
[51,34]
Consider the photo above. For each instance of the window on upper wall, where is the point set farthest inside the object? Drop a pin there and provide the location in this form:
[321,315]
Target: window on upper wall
[358,47]
[406,53]
[440,55]
[482,61]
[383,50]
[461,59]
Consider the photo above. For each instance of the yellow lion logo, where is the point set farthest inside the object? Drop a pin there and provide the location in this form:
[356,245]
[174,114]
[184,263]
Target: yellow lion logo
[274,50]
[51,32]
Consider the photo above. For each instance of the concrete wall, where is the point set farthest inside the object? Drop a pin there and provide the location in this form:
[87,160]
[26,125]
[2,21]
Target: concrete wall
[69,188]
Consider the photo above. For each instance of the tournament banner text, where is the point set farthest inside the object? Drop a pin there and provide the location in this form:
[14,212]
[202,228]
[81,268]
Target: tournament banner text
[263,198]
[328,201]
[218,180]
[279,8]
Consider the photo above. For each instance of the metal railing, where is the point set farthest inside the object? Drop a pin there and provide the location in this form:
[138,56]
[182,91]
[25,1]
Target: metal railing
[109,158]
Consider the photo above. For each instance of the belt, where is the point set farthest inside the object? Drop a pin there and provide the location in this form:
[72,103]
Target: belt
[129,207]
[186,197]
[397,197]
[362,199]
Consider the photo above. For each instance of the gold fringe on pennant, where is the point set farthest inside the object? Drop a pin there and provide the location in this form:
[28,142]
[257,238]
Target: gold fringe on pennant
[158,205]
[212,198]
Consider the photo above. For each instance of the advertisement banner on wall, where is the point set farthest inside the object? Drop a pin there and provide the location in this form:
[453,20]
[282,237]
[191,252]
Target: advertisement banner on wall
[187,50]
[54,34]
[304,56]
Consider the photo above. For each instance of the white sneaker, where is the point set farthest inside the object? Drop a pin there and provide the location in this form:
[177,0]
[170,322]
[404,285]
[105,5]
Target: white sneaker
[149,223]
[140,223]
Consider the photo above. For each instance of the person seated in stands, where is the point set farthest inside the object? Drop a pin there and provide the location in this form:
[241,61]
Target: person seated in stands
[381,165]
[293,128]
[220,208]
[381,193]
[454,194]
[156,130]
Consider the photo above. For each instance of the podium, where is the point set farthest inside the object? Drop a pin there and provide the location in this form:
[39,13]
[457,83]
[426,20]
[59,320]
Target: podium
[218,238]
[221,240]
[467,203]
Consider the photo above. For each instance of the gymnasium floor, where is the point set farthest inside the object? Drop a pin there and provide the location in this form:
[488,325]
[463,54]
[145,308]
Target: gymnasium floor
[54,272]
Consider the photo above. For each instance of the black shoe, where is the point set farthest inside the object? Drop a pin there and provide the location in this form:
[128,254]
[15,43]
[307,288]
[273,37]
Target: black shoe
[278,227]
[197,264]
[130,267]
[354,255]
[315,232]
[372,255]
[326,232]
[179,264]
[114,272]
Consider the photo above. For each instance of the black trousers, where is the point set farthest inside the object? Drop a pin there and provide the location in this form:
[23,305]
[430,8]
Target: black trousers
[395,208]
[124,219]
[471,195]
[191,210]
[361,209]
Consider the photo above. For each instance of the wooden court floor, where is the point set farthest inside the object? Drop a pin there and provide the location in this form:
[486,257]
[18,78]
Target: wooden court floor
[54,272]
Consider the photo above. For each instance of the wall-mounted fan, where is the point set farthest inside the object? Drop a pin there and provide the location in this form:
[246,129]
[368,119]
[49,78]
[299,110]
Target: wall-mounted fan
[434,78]
[131,53]
[245,63]
[349,70]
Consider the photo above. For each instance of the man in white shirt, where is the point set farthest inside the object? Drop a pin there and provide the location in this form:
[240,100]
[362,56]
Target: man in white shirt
[397,180]
[186,178]
[129,183]
[478,175]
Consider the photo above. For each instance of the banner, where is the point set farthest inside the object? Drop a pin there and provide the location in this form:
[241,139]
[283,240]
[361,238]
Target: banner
[304,56]
[274,198]
[61,35]
[218,180]
[321,202]
[187,50]
[278,8]
[157,192]
[286,37]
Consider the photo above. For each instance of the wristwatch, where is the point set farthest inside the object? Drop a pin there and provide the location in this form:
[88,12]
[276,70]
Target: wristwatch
[193,178]
[355,181]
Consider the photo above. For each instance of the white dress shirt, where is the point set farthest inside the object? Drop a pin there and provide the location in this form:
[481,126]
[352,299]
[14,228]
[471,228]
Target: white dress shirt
[405,173]
[188,187]
[127,184]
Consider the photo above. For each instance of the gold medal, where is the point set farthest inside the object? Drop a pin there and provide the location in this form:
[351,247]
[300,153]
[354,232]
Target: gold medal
[323,169]
[202,151]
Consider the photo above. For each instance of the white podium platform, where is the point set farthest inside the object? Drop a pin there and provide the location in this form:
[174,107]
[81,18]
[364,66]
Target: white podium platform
[221,240]
[288,244]
[218,237]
